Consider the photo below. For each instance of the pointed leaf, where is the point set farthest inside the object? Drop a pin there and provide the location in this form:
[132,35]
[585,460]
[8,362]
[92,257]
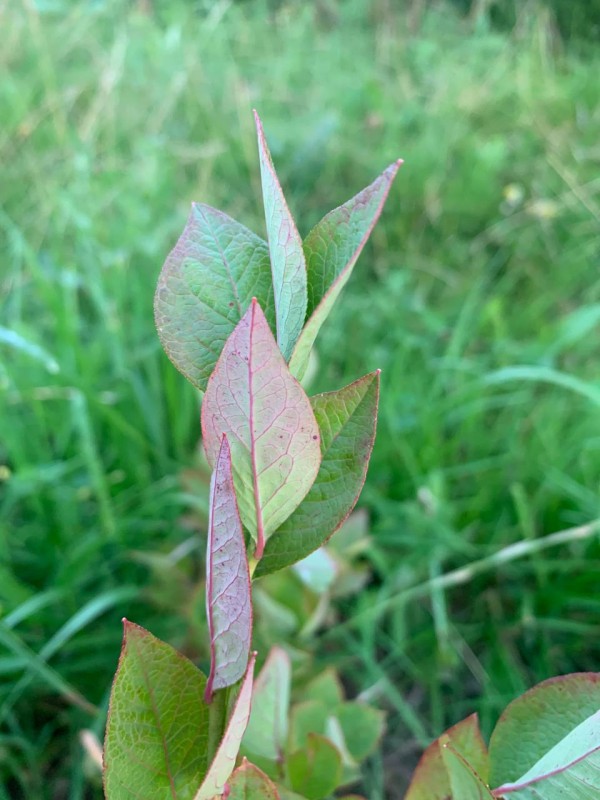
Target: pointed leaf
[316,770]
[331,250]
[250,783]
[571,769]
[430,780]
[465,783]
[539,719]
[274,437]
[228,600]
[326,688]
[156,735]
[347,421]
[287,256]
[205,287]
[224,760]
[266,733]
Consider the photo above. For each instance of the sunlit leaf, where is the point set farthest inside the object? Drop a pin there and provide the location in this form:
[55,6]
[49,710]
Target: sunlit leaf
[331,250]
[274,437]
[224,760]
[347,421]
[205,288]
[287,256]
[156,735]
[228,598]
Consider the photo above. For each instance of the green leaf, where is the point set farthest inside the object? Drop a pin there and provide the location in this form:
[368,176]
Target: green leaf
[272,431]
[326,688]
[287,256]
[249,783]
[571,769]
[465,783]
[431,780]
[267,729]
[331,250]
[347,420]
[315,771]
[224,761]
[205,288]
[307,717]
[228,598]
[362,727]
[533,723]
[156,735]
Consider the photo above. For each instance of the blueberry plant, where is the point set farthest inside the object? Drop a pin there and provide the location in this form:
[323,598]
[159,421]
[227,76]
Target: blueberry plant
[238,316]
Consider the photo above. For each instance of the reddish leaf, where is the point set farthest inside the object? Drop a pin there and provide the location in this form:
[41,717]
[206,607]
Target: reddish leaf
[431,780]
[248,782]
[269,422]
[228,600]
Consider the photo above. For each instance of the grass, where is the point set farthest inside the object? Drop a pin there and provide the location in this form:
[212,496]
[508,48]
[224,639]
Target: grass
[478,298]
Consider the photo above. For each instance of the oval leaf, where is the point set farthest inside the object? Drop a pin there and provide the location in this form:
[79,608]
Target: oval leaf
[274,437]
[267,729]
[156,735]
[533,723]
[228,600]
[571,769]
[316,770]
[227,752]
[331,250]
[250,783]
[205,287]
[347,421]
[431,780]
[287,256]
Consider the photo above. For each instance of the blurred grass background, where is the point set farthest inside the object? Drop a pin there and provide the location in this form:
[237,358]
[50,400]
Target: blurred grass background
[479,298]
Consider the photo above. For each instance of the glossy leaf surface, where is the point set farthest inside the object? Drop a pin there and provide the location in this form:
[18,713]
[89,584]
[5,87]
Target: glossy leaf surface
[288,265]
[269,422]
[156,736]
[205,288]
[347,420]
[331,250]
[228,597]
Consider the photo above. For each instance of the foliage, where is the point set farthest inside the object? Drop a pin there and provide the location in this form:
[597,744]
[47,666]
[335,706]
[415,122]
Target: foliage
[484,261]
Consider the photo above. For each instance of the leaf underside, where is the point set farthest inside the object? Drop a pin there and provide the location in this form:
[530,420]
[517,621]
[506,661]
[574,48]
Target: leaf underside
[205,287]
[288,265]
[148,752]
[266,733]
[269,422]
[347,421]
[228,597]
[331,250]
[224,761]
[533,723]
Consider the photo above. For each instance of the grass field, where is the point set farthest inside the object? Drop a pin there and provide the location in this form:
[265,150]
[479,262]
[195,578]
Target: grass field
[479,298]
